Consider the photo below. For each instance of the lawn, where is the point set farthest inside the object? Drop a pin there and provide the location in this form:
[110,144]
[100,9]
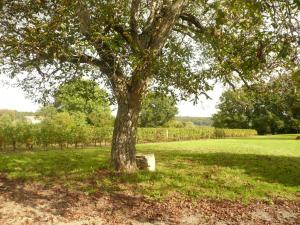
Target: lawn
[257,168]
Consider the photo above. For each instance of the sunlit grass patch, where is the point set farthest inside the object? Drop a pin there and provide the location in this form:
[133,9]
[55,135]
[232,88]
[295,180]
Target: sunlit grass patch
[239,169]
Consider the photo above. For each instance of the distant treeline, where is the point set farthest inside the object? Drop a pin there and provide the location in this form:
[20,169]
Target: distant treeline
[16,114]
[197,121]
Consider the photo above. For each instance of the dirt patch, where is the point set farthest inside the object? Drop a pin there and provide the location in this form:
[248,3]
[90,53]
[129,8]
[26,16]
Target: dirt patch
[26,204]
[191,219]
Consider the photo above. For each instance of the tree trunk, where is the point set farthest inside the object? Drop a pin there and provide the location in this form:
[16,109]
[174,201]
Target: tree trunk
[124,136]
[14,144]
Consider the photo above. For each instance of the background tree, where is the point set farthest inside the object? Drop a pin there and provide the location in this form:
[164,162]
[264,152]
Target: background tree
[84,96]
[133,45]
[80,131]
[101,117]
[5,123]
[269,108]
[47,111]
[14,131]
[157,110]
[60,128]
[235,108]
[296,105]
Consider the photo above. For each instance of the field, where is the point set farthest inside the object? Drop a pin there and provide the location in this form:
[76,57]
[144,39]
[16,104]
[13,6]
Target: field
[245,171]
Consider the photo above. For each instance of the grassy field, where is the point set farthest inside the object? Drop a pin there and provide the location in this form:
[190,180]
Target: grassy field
[245,169]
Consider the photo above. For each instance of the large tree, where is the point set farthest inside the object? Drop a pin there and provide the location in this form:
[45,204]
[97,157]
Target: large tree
[133,45]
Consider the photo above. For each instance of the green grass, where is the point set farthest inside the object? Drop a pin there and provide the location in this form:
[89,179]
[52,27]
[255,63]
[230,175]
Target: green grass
[265,168]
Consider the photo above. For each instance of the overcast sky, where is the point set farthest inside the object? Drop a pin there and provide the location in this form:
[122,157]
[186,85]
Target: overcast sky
[14,98]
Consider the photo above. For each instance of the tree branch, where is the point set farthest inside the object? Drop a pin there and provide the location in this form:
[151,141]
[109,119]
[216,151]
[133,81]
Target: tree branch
[192,20]
[153,13]
[86,59]
[187,30]
[155,35]
[127,37]
[241,77]
[135,4]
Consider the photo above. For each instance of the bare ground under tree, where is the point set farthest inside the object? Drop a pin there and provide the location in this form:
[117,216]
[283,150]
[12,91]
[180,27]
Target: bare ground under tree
[23,203]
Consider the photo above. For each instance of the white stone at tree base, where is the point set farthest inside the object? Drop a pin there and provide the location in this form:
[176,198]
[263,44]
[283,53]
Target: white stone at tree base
[146,162]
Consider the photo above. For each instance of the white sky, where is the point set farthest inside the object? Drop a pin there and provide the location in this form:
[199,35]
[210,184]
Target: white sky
[14,98]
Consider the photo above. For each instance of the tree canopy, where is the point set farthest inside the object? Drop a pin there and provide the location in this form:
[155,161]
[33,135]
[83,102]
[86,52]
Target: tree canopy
[183,42]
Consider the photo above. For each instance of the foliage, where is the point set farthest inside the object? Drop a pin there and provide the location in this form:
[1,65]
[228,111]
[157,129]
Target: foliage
[64,128]
[247,169]
[157,110]
[66,39]
[269,108]
[84,96]
[59,128]
[47,111]
[101,117]
[14,131]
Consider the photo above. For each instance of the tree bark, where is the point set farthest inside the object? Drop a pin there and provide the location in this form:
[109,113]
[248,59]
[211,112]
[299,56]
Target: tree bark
[123,152]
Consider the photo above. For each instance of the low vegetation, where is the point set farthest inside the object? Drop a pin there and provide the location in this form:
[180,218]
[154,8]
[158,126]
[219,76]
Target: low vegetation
[71,130]
[264,168]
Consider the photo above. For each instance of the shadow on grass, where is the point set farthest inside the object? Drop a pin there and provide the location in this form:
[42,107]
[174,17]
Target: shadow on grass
[282,137]
[50,165]
[272,169]
[269,138]
[216,175]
